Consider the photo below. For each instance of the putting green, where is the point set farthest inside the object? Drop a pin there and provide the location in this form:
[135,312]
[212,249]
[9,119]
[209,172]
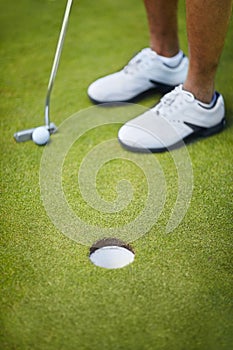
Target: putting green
[177,294]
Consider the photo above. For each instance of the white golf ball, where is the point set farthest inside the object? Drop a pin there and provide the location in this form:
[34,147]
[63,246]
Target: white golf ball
[41,135]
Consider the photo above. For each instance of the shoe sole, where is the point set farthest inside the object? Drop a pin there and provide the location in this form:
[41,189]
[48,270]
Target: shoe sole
[158,88]
[201,132]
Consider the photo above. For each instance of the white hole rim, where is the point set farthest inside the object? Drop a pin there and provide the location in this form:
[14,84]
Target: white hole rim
[112,257]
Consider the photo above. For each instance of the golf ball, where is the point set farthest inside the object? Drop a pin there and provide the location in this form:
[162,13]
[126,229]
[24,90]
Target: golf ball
[41,135]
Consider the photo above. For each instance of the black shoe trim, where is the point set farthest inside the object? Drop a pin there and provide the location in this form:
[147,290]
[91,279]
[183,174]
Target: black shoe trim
[164,88]
[204,132]
[194,127]
[197,132]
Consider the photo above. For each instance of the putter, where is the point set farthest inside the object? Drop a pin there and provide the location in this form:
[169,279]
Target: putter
[26,135]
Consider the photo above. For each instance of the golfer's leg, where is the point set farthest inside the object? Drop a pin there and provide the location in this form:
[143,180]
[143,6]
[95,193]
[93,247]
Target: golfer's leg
[162,19]
[207,23]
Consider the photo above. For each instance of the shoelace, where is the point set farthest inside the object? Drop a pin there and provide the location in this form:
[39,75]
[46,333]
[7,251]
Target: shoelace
[141,61]
[172,101]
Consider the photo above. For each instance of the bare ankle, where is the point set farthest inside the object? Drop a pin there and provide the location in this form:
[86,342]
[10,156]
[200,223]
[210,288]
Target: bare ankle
[163,49]
[202,93]
[200,83]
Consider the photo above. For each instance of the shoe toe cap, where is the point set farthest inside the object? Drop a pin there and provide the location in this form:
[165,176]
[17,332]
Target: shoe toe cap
[139,139]
[110,88]
[96,92]
[116,87]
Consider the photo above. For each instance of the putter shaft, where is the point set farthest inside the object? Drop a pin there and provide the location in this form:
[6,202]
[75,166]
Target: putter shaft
[56,61]
[26,135]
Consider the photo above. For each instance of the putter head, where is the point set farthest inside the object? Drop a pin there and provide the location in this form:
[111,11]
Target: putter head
[26,135]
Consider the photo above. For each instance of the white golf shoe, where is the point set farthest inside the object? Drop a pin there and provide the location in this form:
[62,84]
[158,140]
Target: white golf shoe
[145,71]
[175,119]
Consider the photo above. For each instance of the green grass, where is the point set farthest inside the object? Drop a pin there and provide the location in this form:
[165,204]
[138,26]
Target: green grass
[177,295]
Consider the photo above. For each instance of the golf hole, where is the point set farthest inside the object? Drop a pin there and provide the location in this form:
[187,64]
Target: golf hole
[111,253]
